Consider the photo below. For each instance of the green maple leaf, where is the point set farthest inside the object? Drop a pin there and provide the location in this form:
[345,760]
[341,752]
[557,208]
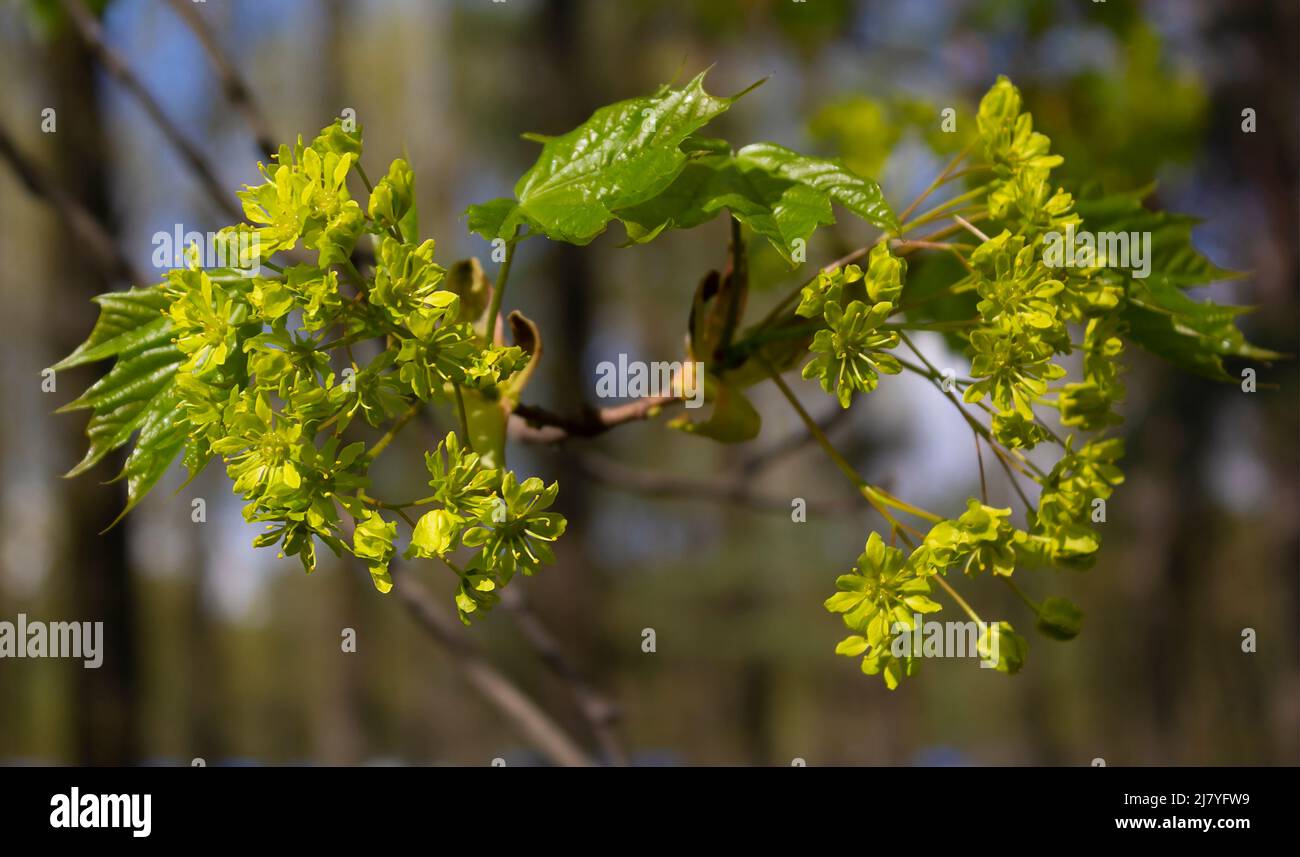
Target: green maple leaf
[626,153]
[1191,334]
[1159,314]
[138,395]
[780,194]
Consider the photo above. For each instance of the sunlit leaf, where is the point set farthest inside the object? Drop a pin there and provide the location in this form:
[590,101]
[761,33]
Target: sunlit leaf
[780,194]
[625,154]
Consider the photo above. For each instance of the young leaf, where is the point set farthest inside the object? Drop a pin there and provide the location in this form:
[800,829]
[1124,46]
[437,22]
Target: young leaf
[133,318]
[1159,315]
[489,218]
[1190,334]
[780,194]
[830,178]
[137,394]
[719,304]
[163,434]
[625,154]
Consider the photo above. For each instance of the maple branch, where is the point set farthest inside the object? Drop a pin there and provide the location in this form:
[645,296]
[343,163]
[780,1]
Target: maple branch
[533,424]
[600,713]
[529,718]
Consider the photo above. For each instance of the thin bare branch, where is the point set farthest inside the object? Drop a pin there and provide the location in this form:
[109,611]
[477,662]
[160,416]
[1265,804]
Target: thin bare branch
[969,227]
[600,713]
[90,31]
[88,231]
[734,489]
[761,459]
[531,721]
[237,90]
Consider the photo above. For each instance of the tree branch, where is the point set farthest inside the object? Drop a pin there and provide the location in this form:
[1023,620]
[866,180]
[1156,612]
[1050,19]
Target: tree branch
[87,229]
[533,424]
[600,713]
[237,90]
[534,723]
[90,31]
[734,489]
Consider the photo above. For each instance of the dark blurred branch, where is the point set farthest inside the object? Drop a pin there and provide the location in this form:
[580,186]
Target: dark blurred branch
[760,459]
[517,706]
[734,488]
[86,229]
[236,88]
[90,31]
[600,713]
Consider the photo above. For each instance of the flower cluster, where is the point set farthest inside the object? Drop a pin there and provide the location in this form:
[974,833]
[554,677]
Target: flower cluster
[852,349]
[1026,306]
[299,378]
[1069,502]
[269,379]
[877,598]
[505,520]
[1028,315]
[1021,158]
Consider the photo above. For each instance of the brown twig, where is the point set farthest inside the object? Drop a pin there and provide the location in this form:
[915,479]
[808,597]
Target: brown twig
[969,227]
[534,424]
[732,488]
